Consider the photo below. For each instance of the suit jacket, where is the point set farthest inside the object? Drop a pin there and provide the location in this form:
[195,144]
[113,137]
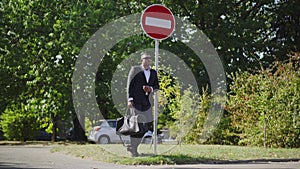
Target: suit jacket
[136,81]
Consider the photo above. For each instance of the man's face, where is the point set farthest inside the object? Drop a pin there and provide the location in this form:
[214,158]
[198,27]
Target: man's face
[146,61]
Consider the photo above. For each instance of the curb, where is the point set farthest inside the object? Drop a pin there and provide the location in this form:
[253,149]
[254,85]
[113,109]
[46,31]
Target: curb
[252,161]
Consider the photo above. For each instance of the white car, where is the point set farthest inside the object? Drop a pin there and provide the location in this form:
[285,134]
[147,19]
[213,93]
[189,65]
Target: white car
[105,133]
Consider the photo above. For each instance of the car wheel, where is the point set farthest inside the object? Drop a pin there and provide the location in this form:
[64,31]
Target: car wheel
[104,140]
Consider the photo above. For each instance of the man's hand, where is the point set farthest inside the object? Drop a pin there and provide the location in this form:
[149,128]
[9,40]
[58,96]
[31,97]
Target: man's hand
[130,104]
[147,89]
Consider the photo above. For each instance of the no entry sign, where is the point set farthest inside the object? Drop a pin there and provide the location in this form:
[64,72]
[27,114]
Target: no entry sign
[158,22]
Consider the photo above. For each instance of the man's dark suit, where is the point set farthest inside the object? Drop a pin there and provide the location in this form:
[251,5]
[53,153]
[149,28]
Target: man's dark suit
[136,80]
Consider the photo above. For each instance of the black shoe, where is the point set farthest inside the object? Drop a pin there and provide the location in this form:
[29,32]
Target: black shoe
[133,153]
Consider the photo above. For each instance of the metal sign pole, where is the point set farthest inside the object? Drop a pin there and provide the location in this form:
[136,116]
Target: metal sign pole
[158,23]
[155,102]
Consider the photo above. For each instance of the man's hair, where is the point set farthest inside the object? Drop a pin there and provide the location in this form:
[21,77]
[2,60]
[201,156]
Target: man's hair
[145,53]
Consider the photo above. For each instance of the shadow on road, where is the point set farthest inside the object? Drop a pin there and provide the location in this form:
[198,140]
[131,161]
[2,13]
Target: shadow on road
[15,166]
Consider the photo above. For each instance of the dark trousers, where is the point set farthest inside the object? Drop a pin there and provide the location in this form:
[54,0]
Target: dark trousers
[135,140]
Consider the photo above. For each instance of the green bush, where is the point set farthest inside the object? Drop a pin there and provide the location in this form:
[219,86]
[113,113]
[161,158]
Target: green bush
[19,122]
[262,110]
[190,116]
[265,106]
[225,133]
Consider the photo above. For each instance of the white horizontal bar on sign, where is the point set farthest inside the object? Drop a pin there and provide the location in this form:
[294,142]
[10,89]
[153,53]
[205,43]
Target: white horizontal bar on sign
[157,22]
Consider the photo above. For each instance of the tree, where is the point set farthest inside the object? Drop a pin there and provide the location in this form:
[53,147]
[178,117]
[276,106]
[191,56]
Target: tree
[38,52]
[245,33]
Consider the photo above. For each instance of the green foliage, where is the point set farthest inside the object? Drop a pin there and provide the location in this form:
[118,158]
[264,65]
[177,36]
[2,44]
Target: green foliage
[265,106]
[190,116]
[169,96]
[245,32]
[225,133]
[19,122]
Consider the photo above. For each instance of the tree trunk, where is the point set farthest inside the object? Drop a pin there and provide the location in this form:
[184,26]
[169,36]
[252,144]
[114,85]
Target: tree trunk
[54,127]
[79,133]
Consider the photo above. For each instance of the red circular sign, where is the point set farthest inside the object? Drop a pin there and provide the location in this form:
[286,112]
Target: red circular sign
[158,22]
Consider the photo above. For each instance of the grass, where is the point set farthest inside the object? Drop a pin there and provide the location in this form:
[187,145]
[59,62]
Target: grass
[171,154]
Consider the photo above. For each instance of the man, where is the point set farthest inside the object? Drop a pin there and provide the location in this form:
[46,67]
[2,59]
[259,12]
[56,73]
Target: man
[142,82]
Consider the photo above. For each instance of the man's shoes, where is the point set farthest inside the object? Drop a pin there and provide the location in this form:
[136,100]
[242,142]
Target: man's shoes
[133,152]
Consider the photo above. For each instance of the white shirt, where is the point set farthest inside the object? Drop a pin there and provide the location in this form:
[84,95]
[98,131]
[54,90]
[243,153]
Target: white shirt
[147,74]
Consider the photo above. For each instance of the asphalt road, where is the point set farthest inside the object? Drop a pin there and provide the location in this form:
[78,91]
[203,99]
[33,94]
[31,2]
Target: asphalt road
[40,157]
